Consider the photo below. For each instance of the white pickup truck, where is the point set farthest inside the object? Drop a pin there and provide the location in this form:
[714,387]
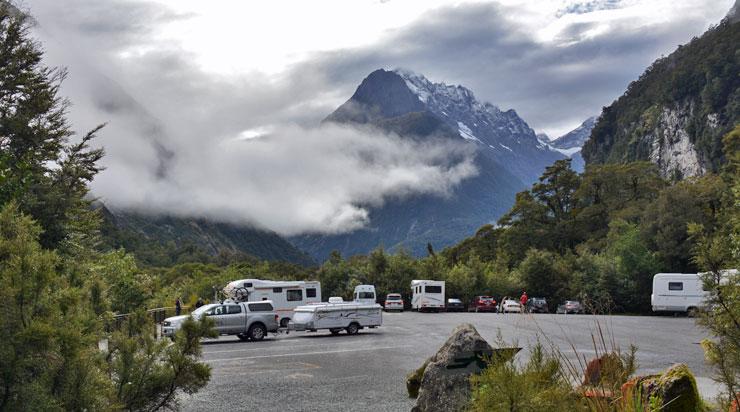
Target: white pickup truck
[247,320]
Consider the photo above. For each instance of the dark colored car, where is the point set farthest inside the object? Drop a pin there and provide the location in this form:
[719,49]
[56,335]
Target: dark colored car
[570,306]
[482,304]
[537,305]
[455,305]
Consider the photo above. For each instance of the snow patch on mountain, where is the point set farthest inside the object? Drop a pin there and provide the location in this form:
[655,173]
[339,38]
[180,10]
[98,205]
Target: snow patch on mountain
[484,123]
[466,133]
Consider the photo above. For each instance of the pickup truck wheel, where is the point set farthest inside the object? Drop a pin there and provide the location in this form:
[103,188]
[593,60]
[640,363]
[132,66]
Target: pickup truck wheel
[257,332]
[284,322]
[242,337]
[335,331]
[353,328]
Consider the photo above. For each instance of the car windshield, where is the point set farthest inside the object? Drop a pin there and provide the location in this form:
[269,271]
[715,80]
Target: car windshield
[393,297]
[454,300]
[202,309]
[486,298]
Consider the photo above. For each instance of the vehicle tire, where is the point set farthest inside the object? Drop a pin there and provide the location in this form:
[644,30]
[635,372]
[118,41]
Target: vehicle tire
[692,312]
[353,328]
[257,332]
[242,337]
[335,331]
[284,322]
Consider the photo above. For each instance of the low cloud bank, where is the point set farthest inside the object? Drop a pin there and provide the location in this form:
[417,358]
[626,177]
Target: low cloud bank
[292,180]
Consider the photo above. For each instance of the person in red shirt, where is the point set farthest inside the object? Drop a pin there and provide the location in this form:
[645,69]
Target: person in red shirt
[523,301]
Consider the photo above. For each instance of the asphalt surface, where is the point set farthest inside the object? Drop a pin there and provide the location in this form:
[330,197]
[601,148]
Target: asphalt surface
[366,372]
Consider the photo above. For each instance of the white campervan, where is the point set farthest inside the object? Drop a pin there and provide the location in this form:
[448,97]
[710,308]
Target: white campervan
[285,295]
[365,294]
[677,292]
[427,295]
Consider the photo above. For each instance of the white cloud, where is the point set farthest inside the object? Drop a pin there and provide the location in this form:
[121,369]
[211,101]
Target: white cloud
[294,180]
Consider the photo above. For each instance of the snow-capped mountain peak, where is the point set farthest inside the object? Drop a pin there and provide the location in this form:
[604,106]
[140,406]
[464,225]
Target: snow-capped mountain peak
[500,135]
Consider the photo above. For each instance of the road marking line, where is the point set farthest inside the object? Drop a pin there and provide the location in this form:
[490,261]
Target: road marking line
[282,355]
[266,347]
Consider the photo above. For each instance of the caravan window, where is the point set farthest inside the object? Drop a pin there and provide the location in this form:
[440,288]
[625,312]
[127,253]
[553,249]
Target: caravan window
[432,289]
[277,290]
[675,285]
[248,285]
[311,292]
[367,295]
[294,295]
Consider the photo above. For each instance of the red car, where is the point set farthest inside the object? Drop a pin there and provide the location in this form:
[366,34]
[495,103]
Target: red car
[482,304]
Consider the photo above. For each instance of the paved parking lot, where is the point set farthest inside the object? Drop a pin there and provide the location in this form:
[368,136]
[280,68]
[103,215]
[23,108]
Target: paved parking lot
[318,371]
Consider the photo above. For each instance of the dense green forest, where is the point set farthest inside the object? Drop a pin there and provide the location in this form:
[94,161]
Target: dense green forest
[599,236]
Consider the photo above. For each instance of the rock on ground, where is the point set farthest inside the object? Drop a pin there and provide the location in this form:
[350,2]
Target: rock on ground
[672,391]
[445,384]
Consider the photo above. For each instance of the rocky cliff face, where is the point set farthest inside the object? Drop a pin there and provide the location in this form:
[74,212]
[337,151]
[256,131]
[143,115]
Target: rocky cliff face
[671,146]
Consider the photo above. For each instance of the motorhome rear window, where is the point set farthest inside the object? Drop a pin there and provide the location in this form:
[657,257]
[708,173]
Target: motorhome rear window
[310,292]
[233,309]
[675,285]
[294,295]
[260,307]
[432,289]
[367,295]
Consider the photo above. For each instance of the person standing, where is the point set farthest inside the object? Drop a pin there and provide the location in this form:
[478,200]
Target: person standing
[178,307]
[199,303]
[523,301]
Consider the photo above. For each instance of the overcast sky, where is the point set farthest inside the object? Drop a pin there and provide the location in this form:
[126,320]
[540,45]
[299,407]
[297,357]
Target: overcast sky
[188,86]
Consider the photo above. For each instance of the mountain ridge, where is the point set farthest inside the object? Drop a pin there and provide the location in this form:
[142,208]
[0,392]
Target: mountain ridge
[508,156]
[677,111]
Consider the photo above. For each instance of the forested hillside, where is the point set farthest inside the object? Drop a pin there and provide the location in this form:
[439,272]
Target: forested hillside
[168,240]
[676,113]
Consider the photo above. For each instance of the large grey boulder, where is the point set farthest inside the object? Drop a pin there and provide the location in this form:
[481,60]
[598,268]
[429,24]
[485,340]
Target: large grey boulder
[445,383]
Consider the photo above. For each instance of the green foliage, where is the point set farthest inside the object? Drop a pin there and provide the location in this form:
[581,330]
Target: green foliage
[147,373]
[539,385]
[46,335]
[714,251]
[39,168]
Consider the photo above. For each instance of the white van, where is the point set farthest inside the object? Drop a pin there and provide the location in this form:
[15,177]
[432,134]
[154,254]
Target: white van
[365,294]
[678,292]
[285,295]
[427,295]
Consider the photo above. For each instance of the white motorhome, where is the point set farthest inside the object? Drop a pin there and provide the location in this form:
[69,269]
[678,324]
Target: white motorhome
[365,294]
[427,295]
[285,295]
[678,292]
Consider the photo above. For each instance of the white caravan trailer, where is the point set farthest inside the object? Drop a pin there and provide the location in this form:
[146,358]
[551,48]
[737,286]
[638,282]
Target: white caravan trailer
[427,295]
[365,294]
[678,292]
[348,316]
[285,295]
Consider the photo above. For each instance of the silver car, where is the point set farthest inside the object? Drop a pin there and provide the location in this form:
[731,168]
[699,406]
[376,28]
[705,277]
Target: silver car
[247,320]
